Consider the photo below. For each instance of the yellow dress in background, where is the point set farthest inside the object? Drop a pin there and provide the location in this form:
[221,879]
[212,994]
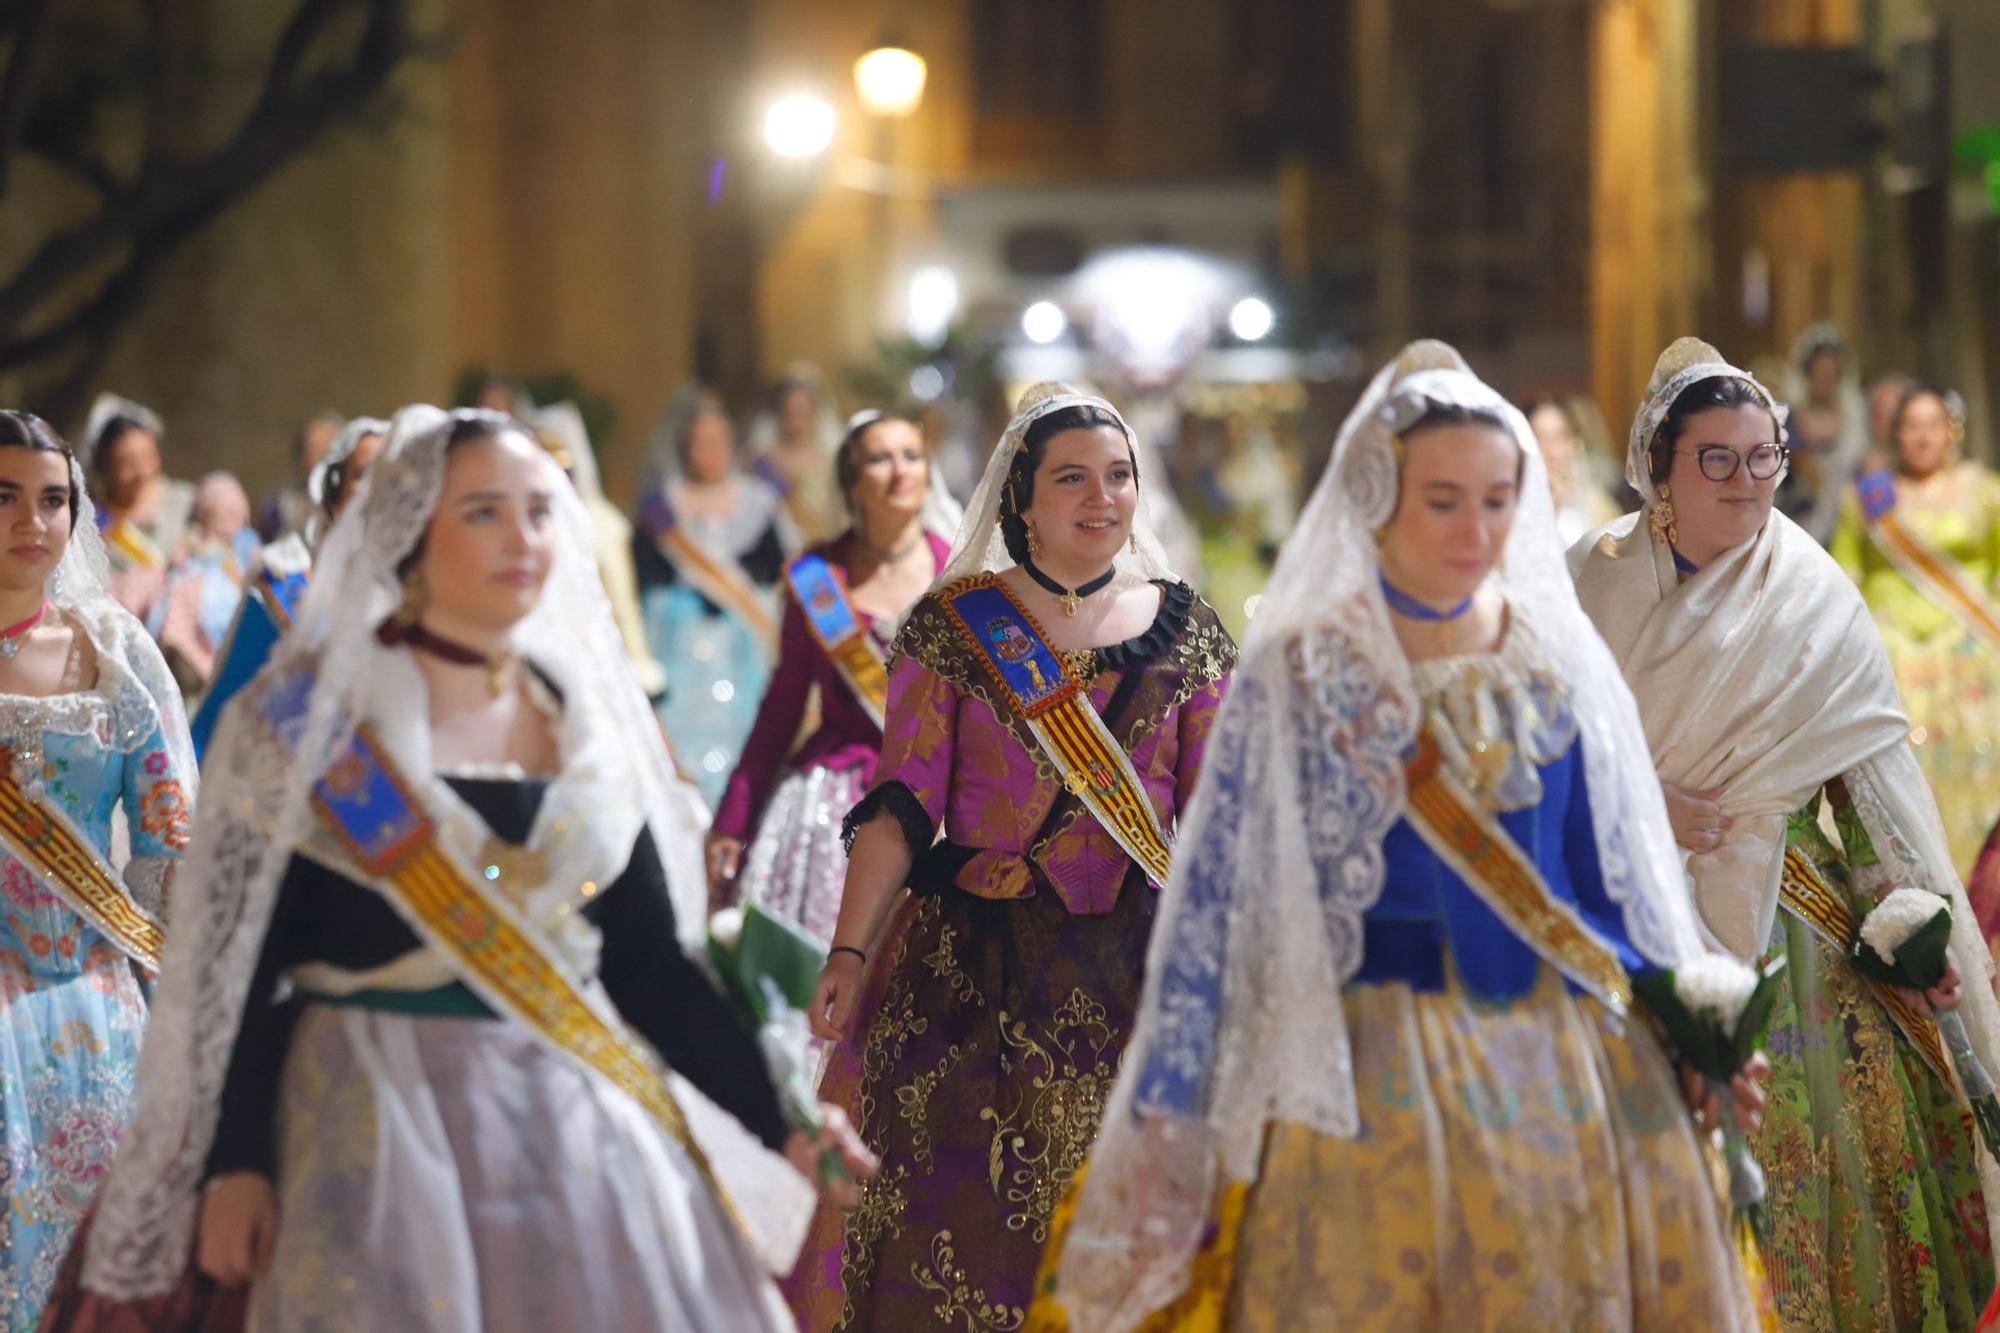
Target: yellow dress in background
[1949,677]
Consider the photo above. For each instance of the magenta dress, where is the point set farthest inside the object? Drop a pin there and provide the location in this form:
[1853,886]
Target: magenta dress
[988,1034]
[786,804]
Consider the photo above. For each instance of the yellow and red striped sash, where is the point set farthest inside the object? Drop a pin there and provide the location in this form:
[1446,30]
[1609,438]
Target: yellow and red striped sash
[1482,853]
[368,806]
[1807,896]
[1055,704]
[62,860]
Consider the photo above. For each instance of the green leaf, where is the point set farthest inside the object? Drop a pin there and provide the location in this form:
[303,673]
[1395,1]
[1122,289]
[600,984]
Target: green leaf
[1756,1020]
[1695,1040]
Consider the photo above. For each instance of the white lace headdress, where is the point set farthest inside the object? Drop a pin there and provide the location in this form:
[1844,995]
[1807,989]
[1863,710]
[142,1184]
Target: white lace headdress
[942,513]
[979,547]
[1280,853]
[336,455]
[129,663]
[1686,362]
[257,812]
[109,407]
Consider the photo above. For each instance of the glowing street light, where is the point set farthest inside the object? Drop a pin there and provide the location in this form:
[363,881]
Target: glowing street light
[932,301]
[1251,319]
[1043,322]
[890,81]
[799,126]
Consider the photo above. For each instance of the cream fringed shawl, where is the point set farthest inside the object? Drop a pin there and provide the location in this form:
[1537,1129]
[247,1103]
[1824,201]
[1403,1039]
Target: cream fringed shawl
[1764,675]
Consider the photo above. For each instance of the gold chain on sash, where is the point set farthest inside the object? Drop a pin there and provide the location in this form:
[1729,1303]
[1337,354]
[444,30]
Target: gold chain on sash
[507,967]
[1807,896]
[1480,851]
[63,860]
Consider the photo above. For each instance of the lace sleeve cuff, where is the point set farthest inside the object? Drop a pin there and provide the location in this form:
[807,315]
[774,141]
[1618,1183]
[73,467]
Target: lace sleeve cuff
[897,799]
[151,880]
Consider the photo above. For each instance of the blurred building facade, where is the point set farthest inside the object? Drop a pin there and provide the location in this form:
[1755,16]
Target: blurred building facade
[1558,186]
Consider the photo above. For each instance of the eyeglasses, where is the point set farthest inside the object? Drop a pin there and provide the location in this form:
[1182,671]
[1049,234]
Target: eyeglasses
[1719,462]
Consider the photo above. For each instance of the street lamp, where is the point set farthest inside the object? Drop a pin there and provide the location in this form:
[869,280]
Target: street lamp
[1251,319]
[890,81]
[799,126]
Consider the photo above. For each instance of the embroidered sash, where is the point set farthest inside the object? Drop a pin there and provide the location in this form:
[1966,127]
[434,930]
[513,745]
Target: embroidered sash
[838,628]
[1482,853]
[281,595]
[125,537]
[1807,896]
[718,580]
[62,860]
[374,813]
[1049,696]
[1931,571]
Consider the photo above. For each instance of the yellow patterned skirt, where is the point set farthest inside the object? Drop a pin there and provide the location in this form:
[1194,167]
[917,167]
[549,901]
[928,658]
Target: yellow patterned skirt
[1523,1166]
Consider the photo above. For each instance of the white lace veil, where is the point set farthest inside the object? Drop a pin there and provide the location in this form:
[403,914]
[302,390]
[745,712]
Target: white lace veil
[563,423]
[256,811]
[336,455]
[130,667]
[979,547]
[1280,853]
[942,513]
[109,407]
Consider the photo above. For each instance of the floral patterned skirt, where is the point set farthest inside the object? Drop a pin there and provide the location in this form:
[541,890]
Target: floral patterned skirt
[978,1073]
[1528,1165]
[69,1045]
[1950,683]
[1878,1219]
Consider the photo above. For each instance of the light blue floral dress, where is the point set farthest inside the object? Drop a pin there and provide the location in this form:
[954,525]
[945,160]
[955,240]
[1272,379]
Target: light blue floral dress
[71,1009]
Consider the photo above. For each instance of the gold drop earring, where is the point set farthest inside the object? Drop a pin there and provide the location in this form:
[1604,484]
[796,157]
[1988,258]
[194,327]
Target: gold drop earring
[1034,542]
[1663,519]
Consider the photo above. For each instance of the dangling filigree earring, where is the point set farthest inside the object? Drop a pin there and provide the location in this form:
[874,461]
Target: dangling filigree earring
[1034,542]
[1663,519]
[415,598]
[1135,541]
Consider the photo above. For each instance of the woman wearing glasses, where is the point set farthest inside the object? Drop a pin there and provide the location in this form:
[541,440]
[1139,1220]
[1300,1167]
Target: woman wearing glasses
[1765,694]
[1921,535]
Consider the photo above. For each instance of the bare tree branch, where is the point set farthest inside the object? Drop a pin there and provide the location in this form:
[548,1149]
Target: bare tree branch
[78,162]
[31,41]
[176,198]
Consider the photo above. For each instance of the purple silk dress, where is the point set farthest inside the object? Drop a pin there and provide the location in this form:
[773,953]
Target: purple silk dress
[978,1062]
[786,804]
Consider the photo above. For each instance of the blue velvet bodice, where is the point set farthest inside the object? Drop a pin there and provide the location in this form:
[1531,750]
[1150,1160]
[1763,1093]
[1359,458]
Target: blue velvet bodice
[1425,908]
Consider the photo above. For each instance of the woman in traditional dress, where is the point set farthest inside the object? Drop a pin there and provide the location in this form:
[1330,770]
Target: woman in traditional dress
[1384,1074]
[1048,709]
[91,722]
[277,578]
[847,600]
[1582,503]
[1827,431]
[1766,696]
[443,816]
[1923,541]
[564,435]
[205,581]
[792,444]
[708,553]
[143,512]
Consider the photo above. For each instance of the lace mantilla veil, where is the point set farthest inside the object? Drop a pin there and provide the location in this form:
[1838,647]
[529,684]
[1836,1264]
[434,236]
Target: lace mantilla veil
[1280,853]
[256,812]
[130,667]
[980,548]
